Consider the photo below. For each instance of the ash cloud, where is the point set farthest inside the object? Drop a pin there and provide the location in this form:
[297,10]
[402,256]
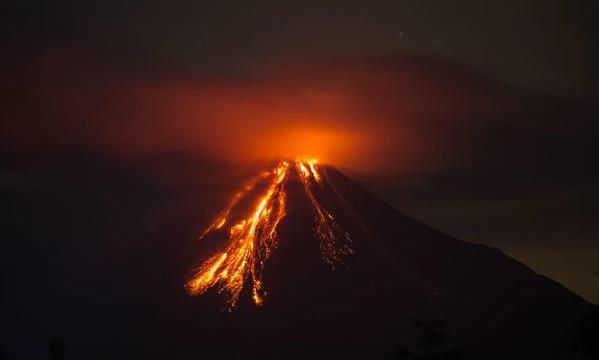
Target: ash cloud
[383,113]
[447,127]
[447,143]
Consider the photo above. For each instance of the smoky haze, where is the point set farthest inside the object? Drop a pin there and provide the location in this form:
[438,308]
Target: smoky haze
[367,114]
[447,143]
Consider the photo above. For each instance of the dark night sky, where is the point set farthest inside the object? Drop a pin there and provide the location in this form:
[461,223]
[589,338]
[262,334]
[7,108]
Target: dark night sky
[529,188]
[539,43]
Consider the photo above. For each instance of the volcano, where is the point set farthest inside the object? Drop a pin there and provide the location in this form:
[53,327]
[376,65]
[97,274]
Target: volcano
[368,283]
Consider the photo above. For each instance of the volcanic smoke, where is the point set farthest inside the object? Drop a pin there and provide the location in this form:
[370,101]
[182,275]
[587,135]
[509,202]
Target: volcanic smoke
[252,239]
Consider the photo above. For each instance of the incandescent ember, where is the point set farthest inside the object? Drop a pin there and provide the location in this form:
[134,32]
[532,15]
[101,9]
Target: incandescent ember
[252,239]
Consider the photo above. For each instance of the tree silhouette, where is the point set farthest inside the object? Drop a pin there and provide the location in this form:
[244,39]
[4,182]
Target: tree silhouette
[432,345]
[56,349]
[586,336]
[5,356]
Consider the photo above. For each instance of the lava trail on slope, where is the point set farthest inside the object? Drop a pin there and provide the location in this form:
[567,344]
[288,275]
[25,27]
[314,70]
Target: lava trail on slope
[252,238]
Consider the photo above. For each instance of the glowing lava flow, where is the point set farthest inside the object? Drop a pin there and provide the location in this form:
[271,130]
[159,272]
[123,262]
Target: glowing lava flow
[334,241]
[220,221]
[250,243]
[252,239]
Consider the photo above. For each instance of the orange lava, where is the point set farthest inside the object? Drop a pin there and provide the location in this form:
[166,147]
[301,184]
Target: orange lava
[334,241]
[252,239]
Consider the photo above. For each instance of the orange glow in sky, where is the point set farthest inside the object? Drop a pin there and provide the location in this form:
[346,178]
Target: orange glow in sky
[353,116]
[328,145]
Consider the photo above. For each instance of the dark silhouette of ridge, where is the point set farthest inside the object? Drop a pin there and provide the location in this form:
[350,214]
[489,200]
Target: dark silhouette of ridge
[402,273]
[109,272]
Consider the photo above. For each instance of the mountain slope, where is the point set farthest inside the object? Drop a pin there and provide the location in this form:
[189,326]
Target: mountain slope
[101,261]
[405,286]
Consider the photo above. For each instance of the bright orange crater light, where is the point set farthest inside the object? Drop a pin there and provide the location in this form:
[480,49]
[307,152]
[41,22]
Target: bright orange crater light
[252,239]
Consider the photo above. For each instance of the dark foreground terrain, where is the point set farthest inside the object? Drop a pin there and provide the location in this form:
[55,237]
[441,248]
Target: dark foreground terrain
[96,270]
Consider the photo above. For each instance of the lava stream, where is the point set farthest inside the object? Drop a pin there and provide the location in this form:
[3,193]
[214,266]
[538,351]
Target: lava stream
[222,218]
[252,239]
[334,241]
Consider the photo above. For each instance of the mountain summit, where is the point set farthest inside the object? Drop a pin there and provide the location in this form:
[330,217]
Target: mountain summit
[392,288]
